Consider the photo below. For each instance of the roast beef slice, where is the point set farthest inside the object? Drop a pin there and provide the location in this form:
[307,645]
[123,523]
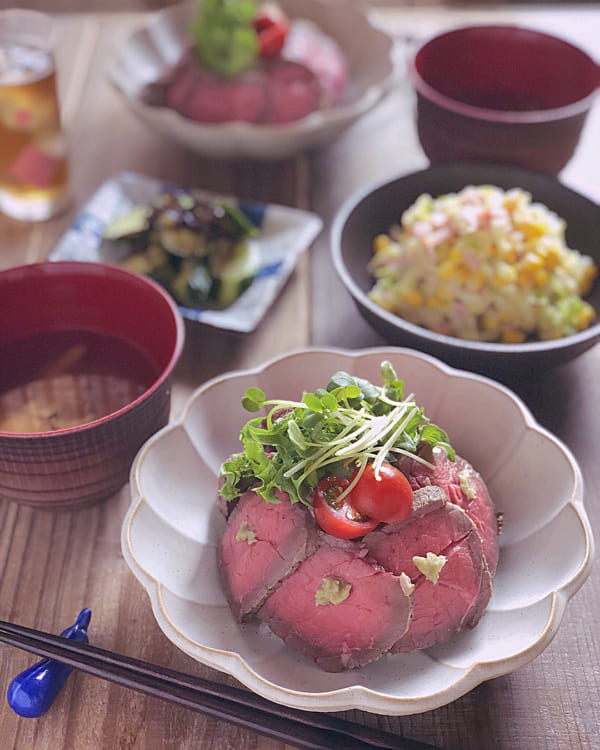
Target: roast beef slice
[454,477]
[279,92]
[262,544]
[373,614]
[459,596]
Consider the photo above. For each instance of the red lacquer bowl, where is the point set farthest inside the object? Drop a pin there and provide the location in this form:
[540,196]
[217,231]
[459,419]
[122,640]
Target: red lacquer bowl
[123,324]
[502,93]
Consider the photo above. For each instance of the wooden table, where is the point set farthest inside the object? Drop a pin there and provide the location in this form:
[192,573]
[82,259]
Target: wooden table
[53,564]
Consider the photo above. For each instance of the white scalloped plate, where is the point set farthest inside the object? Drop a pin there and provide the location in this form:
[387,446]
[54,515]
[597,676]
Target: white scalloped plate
[172,526]
[149,52]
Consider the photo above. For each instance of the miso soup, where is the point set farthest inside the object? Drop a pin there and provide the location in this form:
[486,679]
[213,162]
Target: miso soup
[58,379]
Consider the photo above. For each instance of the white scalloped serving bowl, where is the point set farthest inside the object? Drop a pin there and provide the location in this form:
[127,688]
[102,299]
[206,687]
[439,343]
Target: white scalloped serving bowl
[149,52]
[173,526]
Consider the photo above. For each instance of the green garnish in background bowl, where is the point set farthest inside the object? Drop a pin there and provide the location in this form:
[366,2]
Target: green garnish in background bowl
[225,39]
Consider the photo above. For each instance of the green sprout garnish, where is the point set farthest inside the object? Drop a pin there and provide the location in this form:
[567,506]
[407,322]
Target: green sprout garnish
[330,432]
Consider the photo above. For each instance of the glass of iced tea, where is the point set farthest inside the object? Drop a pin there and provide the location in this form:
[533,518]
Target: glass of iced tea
[33,153]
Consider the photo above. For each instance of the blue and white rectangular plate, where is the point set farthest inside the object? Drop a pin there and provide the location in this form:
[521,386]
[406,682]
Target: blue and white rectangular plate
[285,233]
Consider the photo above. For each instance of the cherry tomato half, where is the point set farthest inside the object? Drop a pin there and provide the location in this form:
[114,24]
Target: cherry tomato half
[337,517]
[272,28]
[387,498]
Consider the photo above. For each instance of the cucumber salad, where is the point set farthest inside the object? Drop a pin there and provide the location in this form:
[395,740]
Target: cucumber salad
[202,251]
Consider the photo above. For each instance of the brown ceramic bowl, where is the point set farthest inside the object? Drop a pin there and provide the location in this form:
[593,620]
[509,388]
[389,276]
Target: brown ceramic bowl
[502,93]
[87,352]
[376,207]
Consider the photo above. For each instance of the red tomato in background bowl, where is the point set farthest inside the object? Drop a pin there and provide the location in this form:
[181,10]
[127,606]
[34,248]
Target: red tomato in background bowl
[272,27]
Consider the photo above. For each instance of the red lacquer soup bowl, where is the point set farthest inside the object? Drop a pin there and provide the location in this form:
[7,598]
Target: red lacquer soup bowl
[502,94]
[87,351]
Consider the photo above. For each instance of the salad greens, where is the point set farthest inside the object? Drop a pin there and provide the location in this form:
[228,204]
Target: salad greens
[224,36]
[331,432]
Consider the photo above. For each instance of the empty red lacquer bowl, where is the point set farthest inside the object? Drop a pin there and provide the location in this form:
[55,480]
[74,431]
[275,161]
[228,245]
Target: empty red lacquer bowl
[87,351]
[502,94]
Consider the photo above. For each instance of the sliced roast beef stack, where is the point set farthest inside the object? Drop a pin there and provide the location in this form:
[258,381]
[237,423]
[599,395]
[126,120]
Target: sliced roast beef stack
[402,587]
[311,73]
[445,600]
[279,93]
[339,607]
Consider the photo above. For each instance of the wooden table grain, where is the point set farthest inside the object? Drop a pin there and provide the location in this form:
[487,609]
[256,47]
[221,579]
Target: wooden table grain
[54,564]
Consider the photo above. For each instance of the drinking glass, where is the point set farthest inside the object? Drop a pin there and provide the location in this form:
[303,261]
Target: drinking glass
[33,153]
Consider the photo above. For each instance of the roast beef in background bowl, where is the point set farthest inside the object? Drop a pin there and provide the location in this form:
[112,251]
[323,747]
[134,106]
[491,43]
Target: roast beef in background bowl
[373,209]
[87,352]
[502,93]
[151,52]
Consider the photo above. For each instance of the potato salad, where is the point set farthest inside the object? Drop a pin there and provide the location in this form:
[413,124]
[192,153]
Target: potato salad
[483,264]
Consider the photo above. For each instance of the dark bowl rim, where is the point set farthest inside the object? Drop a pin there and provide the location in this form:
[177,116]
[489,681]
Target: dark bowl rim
[452,343]
[103,269]
[514,117]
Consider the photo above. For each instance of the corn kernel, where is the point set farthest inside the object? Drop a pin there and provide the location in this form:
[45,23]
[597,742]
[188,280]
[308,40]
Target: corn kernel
[541,277]
[447,270]
[585,317]
[588,278]
[412,298]
[532,229]
[456,255]
[476,281]
[384,301]
[512,198]
[505,274]
[381,241]
[531,262]
[435,301]
[490,322]
[508,254]
[551,257]
[512,336]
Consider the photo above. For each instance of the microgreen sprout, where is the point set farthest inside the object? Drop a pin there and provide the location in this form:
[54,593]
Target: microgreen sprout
[329,432]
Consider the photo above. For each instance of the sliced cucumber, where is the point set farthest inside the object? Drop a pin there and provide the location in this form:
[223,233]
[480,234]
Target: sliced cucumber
[199,250]
[191,284]
[183,242]
[147,261]
[129,225]
[237,274]
[239,222]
